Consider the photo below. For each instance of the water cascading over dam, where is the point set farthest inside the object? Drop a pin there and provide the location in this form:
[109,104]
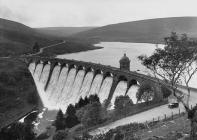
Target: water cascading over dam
[66,85]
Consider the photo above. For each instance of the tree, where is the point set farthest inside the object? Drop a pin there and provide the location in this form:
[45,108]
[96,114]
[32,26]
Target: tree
[71,119]
[36,47]
[122,105]
[92,114]
[70,110]
[94,98]
[82,102]
[145,93]
[172,64]
[60,121]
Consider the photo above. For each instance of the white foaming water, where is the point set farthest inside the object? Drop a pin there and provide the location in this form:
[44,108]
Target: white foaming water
[67,88]
[86,85]
[105,89]
[60,85]
[53,81]
[38,72]
[76,87]
[132,93]
[96,84]
[120,90]
[39,86]
[45,74]
[32,67]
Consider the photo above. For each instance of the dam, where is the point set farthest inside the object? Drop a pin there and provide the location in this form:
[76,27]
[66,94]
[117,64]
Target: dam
[62,82]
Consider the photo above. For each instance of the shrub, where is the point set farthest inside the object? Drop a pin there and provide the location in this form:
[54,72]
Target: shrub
[145,92]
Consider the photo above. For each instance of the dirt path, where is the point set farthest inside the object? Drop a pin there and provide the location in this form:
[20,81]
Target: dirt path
[42,49]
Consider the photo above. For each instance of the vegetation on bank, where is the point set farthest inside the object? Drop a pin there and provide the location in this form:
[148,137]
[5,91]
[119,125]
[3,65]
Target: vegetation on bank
[20,130]
[18,94]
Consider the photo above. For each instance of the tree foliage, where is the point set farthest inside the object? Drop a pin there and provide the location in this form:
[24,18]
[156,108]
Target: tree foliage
[70,110]
[71,119]
[82,102]
[36,47]
[60,121]
[92,114]
[122,104]
[174,64]
[145,93]
[170,62]
[87,100]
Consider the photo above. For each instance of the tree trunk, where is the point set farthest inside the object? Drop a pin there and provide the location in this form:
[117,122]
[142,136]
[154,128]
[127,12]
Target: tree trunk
[188,96]
[192,115]
[193,132]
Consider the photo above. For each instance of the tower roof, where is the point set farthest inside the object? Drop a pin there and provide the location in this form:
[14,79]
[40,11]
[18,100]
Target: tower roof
[124,58]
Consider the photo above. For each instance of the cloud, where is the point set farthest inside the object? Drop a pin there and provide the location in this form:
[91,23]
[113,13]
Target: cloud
[7,13]
[42,13]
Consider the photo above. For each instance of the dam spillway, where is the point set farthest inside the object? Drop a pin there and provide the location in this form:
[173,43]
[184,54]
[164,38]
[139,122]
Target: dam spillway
[61,82]
[68,86]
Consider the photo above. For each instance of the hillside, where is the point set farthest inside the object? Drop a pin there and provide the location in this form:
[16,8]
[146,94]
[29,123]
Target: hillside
[62,31]
[146,31]
[16,38]
[18,94]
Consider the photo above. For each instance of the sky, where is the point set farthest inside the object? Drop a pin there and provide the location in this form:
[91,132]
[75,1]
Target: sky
[67,13]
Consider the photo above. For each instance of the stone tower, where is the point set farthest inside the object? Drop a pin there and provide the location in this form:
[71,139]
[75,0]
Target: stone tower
[124,63]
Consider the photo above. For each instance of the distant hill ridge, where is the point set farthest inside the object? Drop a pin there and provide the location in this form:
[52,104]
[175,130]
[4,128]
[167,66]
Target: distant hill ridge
[17,38]
[142,31]
[62,32]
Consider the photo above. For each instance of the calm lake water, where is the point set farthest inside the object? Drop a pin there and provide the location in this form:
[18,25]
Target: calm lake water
[113,51]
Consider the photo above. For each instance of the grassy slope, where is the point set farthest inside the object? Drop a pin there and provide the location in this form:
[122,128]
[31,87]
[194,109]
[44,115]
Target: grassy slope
[62,31]
[151,31]
[167,129]
[18,93]
[16,38]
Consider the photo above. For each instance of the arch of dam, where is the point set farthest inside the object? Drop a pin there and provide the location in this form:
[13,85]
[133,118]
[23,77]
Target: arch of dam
[64,81]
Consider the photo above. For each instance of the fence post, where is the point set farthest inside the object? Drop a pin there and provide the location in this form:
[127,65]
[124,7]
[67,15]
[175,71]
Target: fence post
[153,119]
